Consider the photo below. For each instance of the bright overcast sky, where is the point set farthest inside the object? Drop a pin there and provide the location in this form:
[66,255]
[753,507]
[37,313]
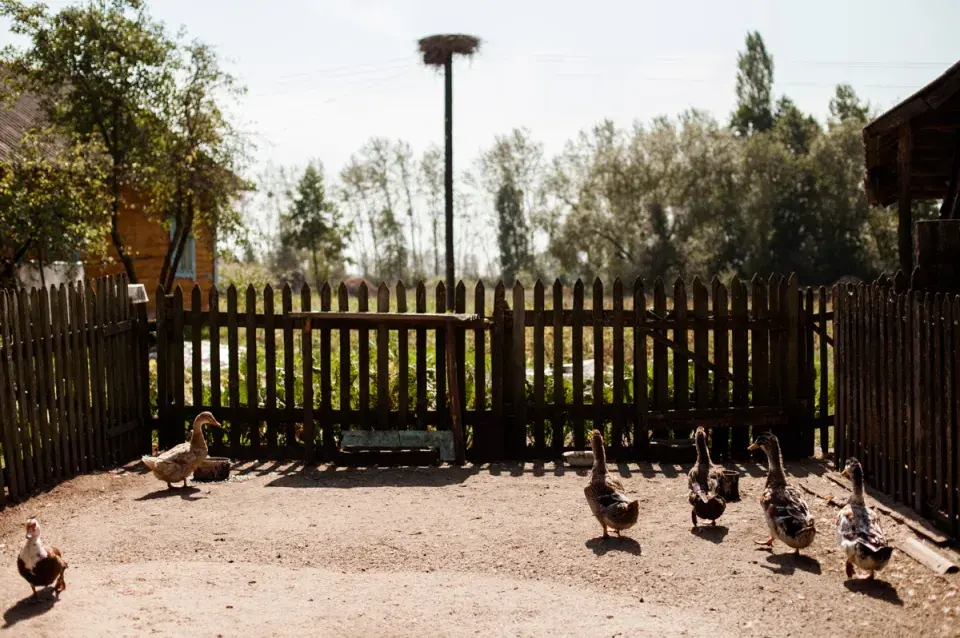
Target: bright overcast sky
[324,76]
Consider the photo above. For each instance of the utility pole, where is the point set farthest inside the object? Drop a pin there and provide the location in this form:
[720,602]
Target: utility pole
[438,51]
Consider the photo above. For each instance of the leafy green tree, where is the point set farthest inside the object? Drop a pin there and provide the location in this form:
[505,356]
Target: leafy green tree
[101,67]
[754,112]
[846,105]
[199,155]
[315,225]
[795,129]
[52,201]
[513,236]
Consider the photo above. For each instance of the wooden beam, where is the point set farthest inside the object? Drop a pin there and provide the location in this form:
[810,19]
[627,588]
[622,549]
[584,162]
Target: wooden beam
[904,213]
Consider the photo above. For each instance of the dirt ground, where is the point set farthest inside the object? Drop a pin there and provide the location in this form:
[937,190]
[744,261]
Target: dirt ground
[503,550]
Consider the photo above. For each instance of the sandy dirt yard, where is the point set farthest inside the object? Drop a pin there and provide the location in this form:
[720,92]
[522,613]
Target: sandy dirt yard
[503,550]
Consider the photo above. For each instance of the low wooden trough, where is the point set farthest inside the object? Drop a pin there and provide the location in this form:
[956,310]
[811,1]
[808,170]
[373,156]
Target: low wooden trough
[214,468]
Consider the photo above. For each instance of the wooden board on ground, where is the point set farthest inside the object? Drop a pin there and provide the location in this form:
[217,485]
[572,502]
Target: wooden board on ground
[927,557]
[897,512]
[387,440]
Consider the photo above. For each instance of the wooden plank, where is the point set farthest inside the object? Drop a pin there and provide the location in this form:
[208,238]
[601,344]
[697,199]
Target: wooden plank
[289,398]
[641,440]
[955,450]
[701,344]
[776,338]
[104,380]
[498,373]
[440,351]
[741,364]
[839,357]
[919,341]
[125,370]
[428,320]
[233,367]
[326,379]
[539,385]
[792,355]
[383,360]
[48,297]
[889,389]
[421,307]
[720,438]
[557,423]
[681,361]
[872,464]
[883,381]
[759,340]
[363,358]
[346,364]
[947,416]
[403,361]
[28,406]
[59,378]
[460,347]
[306,350]
[8,407]
[112,394]
[83,359]
[65,295]
[196,315]
[898,397]
[252,377]
[519,374]
[809,375]
[927,557]
[860,336]
[823,385]
[38,321]
[936,424]
[213,308]
[927,395]
[480,439]
[270,368]
[455,425]
[616,432]
[178,363]
[579,435]
[598,356]
[660,380]
[911,393]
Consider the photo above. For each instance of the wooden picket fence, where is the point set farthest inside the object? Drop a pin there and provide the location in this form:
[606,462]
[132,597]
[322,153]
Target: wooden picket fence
[729,358]
[898,393]
[73,383]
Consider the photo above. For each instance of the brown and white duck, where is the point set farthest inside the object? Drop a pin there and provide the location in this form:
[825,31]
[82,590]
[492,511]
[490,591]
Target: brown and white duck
[787,515]
[40,565]
[605,494]
[179,462]
[704,481]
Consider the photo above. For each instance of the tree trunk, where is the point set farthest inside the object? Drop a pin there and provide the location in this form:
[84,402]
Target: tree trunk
[183,232]
[115,232]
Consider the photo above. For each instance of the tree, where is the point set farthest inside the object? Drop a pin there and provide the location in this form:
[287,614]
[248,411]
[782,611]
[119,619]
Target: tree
[796,130]
[430,187]
[513,166]
[196,183]
[101,67]
[846,105]
[52,202]
[754,112]
[314,224]
[371,188]
[513,235]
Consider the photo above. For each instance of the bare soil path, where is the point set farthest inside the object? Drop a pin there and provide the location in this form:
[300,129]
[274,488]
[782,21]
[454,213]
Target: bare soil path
[507,550]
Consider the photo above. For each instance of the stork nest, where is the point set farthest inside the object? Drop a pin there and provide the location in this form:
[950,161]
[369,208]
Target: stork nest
[437,49]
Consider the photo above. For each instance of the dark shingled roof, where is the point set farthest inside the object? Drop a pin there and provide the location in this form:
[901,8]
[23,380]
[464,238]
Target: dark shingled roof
[17,116]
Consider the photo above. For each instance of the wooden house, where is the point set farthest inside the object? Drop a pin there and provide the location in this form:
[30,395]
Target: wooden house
[144,237]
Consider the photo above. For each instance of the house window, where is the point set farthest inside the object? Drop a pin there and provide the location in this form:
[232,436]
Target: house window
[187,268]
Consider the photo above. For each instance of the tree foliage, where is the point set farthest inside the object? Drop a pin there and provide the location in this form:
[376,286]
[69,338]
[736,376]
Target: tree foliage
[754,112]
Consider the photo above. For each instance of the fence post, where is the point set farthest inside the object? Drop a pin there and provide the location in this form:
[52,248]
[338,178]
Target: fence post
[138,296]
[791,396]
[498,357]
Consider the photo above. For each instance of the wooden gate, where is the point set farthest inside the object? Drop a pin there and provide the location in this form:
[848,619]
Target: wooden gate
[641,364]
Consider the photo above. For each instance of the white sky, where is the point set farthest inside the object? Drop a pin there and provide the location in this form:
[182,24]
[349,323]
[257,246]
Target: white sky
[324,76]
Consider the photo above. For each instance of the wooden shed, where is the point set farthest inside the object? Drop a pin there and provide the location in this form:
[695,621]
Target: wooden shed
[912,153]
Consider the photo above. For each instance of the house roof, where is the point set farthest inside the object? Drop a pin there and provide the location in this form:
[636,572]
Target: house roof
[933,116]
[18,114]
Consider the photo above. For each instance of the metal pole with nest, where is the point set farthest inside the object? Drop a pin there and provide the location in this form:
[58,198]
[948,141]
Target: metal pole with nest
[438,51]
